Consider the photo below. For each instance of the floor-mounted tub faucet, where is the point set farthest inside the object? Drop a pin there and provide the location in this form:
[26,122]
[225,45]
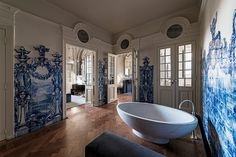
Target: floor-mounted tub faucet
[193,136]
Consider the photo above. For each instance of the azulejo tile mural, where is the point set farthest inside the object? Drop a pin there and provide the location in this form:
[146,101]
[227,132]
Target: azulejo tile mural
[102,83]
[219,92]
[146,82]
[38,90]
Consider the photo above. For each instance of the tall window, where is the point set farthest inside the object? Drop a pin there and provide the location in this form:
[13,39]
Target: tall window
[89,69]
[165,67]
[111,68]
[128,65]
[185,65]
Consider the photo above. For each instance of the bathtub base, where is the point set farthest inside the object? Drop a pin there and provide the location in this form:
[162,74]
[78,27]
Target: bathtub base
[151,139]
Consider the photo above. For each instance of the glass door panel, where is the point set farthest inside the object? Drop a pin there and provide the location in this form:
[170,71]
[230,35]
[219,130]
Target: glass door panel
[176,73]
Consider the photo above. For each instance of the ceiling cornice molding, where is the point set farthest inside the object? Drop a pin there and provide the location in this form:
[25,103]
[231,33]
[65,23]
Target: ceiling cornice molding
[7,14]
[202,9]
[118,16]
[184,22]
[156,20]
[8,8]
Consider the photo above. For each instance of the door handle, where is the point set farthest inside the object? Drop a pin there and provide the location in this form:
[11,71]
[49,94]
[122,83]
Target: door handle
[172,82]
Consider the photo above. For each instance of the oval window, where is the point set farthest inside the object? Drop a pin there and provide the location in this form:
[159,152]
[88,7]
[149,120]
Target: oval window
[124,44]
[83,36]
[174,31]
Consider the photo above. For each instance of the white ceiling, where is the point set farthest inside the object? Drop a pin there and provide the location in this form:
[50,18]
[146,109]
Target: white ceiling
[118,15]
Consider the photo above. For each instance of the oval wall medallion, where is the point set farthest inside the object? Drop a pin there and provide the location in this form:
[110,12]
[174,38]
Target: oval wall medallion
[174,31]
[83,36]
[124,44]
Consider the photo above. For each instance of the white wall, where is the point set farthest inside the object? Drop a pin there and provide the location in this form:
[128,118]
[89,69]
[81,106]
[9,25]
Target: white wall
[154,26]
[100,47]
[149,37]
[46,10]
[31,31]
[25,29]
[218,108]
[7,22]
[149,45]
[225,10]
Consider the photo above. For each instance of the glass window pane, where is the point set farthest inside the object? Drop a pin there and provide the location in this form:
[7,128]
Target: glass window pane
[167,51]
[180,66]
[162,67]
[181,82]
[168,74]
[188,74]
[168,82]
[162,74]
[165,67]
[188,65]
[181,49]
[167,59]
[162,59]
[162,52]
[188,56]
[188,82]
[162,82]
[180,57]
[168,67]
[188,48]
[180,74]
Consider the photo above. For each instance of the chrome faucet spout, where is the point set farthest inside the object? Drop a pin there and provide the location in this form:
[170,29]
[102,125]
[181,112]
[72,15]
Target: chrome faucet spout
[193,136]
[192,104]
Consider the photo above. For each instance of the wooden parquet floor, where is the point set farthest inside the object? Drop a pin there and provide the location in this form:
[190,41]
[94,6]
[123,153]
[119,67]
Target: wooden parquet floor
[69,137]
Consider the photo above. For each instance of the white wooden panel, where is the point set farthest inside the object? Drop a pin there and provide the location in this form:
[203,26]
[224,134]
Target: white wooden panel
[2,83]
[185,95]
[186,91]
[166,98]
[89,76]
[112,81]
[112,94]
[89,95]
[173,92]
[135,73]
[166,90]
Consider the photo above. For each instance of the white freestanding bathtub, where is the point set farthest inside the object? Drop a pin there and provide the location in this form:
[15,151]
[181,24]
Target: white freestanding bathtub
[156,123]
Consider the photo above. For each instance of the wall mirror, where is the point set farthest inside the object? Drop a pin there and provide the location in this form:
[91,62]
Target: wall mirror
[174,31]
[124,44]
[83,36]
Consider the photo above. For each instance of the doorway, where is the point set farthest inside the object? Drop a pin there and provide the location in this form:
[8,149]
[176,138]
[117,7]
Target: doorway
[176,74]
[79,76]
[122,74]
[2,83]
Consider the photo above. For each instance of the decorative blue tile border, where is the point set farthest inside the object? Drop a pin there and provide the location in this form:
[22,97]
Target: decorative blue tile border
[219,92]
[146,82]
[38,90]
[102,85]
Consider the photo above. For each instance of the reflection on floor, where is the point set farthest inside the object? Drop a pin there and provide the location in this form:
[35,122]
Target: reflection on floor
[127,97]
[75,101]
[84,123]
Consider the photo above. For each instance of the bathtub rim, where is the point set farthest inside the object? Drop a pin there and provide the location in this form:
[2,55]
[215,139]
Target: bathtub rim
[157,121]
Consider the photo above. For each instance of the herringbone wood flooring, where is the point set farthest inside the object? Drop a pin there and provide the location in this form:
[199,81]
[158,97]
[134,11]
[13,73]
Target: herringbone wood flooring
[69,137]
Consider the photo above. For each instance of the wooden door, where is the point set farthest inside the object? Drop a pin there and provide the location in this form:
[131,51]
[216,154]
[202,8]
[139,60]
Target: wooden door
[135,74]
[185,72]
[89,77]
[112,81]
[176,81]
[166,71]
[2,82]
